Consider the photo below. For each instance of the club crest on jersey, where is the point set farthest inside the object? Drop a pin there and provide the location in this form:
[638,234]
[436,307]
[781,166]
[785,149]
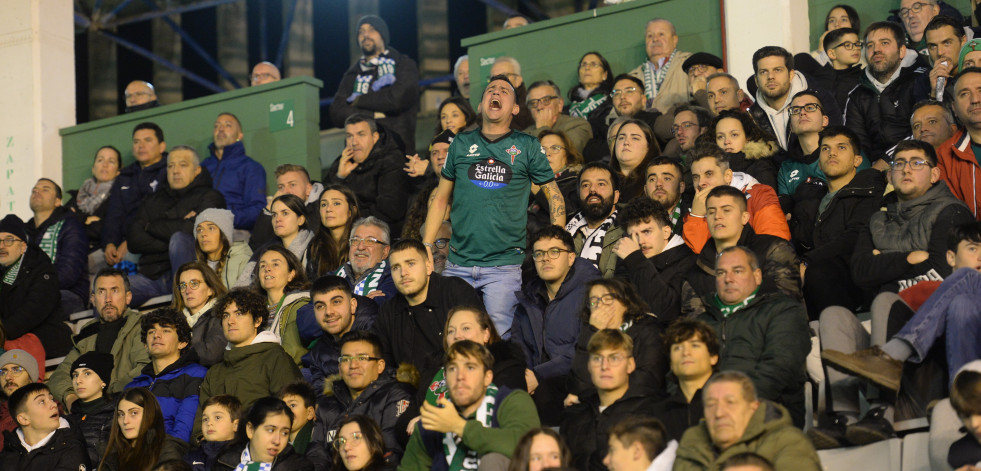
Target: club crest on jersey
[401,407]
[513,152]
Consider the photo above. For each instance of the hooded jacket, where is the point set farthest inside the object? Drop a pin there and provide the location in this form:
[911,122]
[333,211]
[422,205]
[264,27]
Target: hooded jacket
[283,324]
[32,304]
[765,214]
[658,279]
[777,122]
[584,426]
[547,330]
[769,434]
[71,258]
[241,180]
[758,159]
[130,188]
[163,214]
[64,451]
[176,389]
[960,170]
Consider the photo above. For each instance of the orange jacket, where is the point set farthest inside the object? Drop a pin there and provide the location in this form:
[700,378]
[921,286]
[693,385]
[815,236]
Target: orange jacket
[959,168]
[765,215]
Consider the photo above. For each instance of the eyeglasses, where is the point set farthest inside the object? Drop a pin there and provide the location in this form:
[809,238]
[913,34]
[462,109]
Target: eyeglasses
[616,93]
[193,284]
[606,299]
[914,165]
[687,126]
[545,101]
[590,65]
[13,370]
[914,8]
[368,242]
[551,253]
[131,95]
[257,77]
[698,68]
[616,359]
[362,358]
[9,241]
[441,243]
[850,45]
[554,149]
[339,442]
[810,108]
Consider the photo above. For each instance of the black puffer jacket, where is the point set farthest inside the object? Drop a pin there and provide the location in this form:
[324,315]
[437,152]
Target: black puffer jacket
[33,304]
[649,355]
[676,413]
[585,428]
[659,279]
[760,160]
[288,460]
[94,421]
[162,215]
[63,452]
[71,259]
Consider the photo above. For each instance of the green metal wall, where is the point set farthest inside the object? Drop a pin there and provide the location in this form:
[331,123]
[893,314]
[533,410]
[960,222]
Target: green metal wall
[869,11]
[270,137]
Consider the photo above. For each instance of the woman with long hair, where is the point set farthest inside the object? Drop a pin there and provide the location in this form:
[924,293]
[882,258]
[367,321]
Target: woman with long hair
[289,216]
[635,147]
[566,161]
[329,248]
[213,245]
[750,149]
[263,440]
[196,290]
[280,277]
[538,449]
[360,445]
[613,303]
[137,441]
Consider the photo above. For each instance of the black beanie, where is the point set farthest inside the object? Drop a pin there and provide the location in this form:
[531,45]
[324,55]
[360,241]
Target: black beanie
[14,225]
[445,137]
[377,23]
[100,363]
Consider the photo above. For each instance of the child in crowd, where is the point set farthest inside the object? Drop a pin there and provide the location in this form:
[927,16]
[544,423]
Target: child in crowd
[219,421]
[93,411]
[302,401]
[965,397]
[43,440]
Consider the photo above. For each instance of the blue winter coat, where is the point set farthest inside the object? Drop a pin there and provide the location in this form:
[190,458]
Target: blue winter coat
[241,180]
[132,185]
[72,258]
[176,389]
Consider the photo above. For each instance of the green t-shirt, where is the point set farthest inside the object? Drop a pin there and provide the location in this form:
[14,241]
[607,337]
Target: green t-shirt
[492,181]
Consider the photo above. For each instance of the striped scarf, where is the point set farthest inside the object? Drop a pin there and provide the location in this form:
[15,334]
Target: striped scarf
[246,463]
[654,78]
[458,456]
[49,240]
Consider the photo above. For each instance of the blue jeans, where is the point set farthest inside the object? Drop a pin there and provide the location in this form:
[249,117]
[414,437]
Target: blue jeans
[497,287]
[954,311]
[145,288]
[181,250]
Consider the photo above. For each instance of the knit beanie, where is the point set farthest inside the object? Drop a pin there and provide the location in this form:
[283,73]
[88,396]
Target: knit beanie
[223,218]
[22,359]
[377,23]
[14,225]
[445,137]
[99,362]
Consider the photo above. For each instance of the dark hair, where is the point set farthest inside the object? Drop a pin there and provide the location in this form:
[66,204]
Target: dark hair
[754,260]
[173,465]
[682,330]
[965,393]
[495,78]
[752,130]
[967,232]
[119,156]
[301,389]
[638,175]
[915,144]
[834,36]
[573,156]
[231,404]
[471,349]
[142,452]
[483,320]
[366,336]
[646,430]
[554,232]
[111,271]
[963,72]
[211,279]
[361,118]
[293,203]
[151,126]
[623,291]
[614,176]
[836,130]
[419,210]
[259,411]
[664,160]
[604,87]
[641,210]
[635,80]
[299,281]
[727,190]
[410,244]
[246,300]
[373,438]
[897,31]
[56,186]
[166,317]
[326,254]
[849,11]
[940,21]
[772,51]
[328,283]
[747,458]
[706,147]
[522,451]
[17,402]
[463,105]
[811,93]
[948,115]
[703,115]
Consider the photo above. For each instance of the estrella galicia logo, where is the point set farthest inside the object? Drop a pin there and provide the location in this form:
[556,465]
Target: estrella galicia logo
[490,174]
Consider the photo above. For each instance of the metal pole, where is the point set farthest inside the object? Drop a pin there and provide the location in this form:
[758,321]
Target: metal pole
[170,11]
[170,65]
[286,35]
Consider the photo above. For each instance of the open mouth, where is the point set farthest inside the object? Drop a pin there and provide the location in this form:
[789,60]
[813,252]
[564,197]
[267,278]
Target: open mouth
[495,104]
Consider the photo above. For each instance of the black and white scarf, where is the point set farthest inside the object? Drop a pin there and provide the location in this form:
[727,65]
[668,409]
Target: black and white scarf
[592,246]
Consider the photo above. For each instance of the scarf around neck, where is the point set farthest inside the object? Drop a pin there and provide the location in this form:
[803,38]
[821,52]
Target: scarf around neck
[653,79]
[592,247]
[92,194]
[458,456]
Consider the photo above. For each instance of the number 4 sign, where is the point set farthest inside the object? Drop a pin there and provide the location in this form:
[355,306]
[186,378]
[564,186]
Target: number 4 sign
[281,115]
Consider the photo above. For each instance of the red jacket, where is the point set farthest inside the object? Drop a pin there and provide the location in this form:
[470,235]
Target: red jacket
[959,168]
[765,214]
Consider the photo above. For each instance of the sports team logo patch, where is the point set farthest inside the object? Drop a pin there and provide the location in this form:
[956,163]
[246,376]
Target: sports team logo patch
[513,152]
[401,407]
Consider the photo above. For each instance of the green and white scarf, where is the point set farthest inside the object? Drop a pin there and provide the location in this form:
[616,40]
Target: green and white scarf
[654,78]
[369,280]
[12,272]
[582,109]
[729,309]
[458,456]
[49,240]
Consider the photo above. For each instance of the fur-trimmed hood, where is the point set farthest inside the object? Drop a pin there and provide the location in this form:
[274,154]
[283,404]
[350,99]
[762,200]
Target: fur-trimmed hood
[755,150]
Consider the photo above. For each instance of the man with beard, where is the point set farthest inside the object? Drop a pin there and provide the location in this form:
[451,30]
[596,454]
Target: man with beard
[777,82]
[665,82]
[629,101]
[690,122]
[117,331]
[957,157]
[594,228]
[944,37]
[241,180]
[666,185]
[488,172]
[880,106]
[383,84]
[18,369]
[478,423]
[510,68]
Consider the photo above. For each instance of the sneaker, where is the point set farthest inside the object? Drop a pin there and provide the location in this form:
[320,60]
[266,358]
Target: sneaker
[872,428]
[872,364]
[830,432]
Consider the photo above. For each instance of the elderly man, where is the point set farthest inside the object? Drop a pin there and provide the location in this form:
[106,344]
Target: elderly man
[916,15]
[140,96]
[699,67]
[241,180]
[366,269]
[461,74]
[545,102]
[383,84]
[263,73]
[30,302]
[957,157]
[736,422]
[665,82]
[60,235]
[511,68]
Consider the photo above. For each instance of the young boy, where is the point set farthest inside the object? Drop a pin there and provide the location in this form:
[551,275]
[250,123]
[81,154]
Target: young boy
[42,440]
[219,421]
[302,401]
[93,411]
[965,397]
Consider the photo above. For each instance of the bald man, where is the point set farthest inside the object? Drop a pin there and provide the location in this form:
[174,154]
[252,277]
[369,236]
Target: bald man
[263,73]
[140,95]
